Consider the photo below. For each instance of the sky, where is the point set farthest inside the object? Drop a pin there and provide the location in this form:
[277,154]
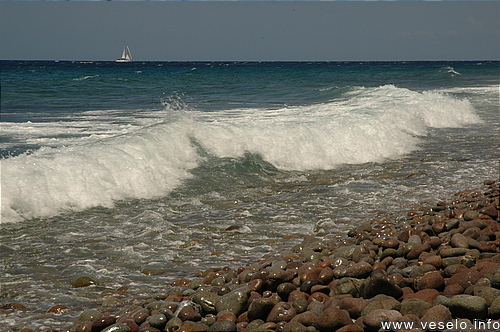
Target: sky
[251,31]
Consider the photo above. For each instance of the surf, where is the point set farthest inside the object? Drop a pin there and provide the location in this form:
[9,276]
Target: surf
[360,126]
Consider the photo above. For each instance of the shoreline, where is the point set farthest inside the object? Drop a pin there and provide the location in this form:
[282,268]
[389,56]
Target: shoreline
[441,264]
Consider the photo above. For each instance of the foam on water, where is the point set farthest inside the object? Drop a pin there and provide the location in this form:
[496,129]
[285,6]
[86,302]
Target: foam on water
[364,125]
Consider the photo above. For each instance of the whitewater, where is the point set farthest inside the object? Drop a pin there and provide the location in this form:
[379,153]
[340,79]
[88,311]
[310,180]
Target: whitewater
[365,125]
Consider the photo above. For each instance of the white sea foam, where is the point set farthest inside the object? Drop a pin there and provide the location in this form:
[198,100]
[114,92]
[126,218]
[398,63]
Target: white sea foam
[366,125]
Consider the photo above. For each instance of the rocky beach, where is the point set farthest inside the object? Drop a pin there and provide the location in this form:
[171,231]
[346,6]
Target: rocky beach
[437,270]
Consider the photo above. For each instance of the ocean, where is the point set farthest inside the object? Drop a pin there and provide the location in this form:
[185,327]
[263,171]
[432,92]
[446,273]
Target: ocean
[110,170]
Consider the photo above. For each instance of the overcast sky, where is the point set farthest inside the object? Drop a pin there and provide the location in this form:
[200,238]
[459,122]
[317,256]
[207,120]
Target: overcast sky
[224,31]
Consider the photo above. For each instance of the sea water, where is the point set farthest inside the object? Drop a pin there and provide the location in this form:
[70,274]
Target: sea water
[108,169]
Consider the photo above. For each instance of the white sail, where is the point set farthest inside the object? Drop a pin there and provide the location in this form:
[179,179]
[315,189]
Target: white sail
[126,55]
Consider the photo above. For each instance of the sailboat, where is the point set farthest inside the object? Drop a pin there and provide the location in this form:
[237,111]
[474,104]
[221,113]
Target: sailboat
[126,55]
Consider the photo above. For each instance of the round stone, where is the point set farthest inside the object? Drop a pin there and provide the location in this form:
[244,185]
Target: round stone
[468,306]
[83,282]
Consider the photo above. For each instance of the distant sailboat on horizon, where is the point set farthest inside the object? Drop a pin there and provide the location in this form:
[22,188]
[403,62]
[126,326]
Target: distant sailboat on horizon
[126,55]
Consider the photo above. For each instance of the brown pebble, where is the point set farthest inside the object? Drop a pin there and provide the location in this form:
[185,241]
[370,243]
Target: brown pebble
[415,252]
[188,313]
[432,280]
[15,306]
[332,319]
[427,295]
[453,289]
[390,243]
[353,305]
[226,315]
[351,328]
[58,309]
[281,312]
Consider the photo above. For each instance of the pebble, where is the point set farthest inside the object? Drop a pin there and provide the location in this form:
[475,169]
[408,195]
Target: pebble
[468,306]
[83,282]
[442,264]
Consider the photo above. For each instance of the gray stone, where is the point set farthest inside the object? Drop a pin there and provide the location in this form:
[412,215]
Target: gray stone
[380,301]
[158,321]
[206,300]
[459,241]
[89,315]
[468,306]
[453,252]
[224,326]
[437,313]
[470,215]
[486,292]
[346,252]
[118,327]
[374,319]
[351,286]
[415,307]
[173,324]
[379,283]
[260,308]
[494,309]
[234,302]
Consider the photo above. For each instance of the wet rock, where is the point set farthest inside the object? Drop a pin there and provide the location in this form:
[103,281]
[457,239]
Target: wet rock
[325,275]
[103,322]
[358,270]
[308,284]
[90,315]
[468,306]
[470,215]
[260,308]
[351,286]
[83,282]
[255,324]
[281,312]
[294,326]
[346,252]
[118,327]
[420,271]
[234,302]
[206,300]
[224,326]
[13,306]
[173,324]
[189,326]
[307,318]
[351,328]
[415,252]
[130,323]
[159,320]
[82,327]
[186,313]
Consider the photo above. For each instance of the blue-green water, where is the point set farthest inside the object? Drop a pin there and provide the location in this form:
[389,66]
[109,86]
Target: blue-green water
[109,168]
